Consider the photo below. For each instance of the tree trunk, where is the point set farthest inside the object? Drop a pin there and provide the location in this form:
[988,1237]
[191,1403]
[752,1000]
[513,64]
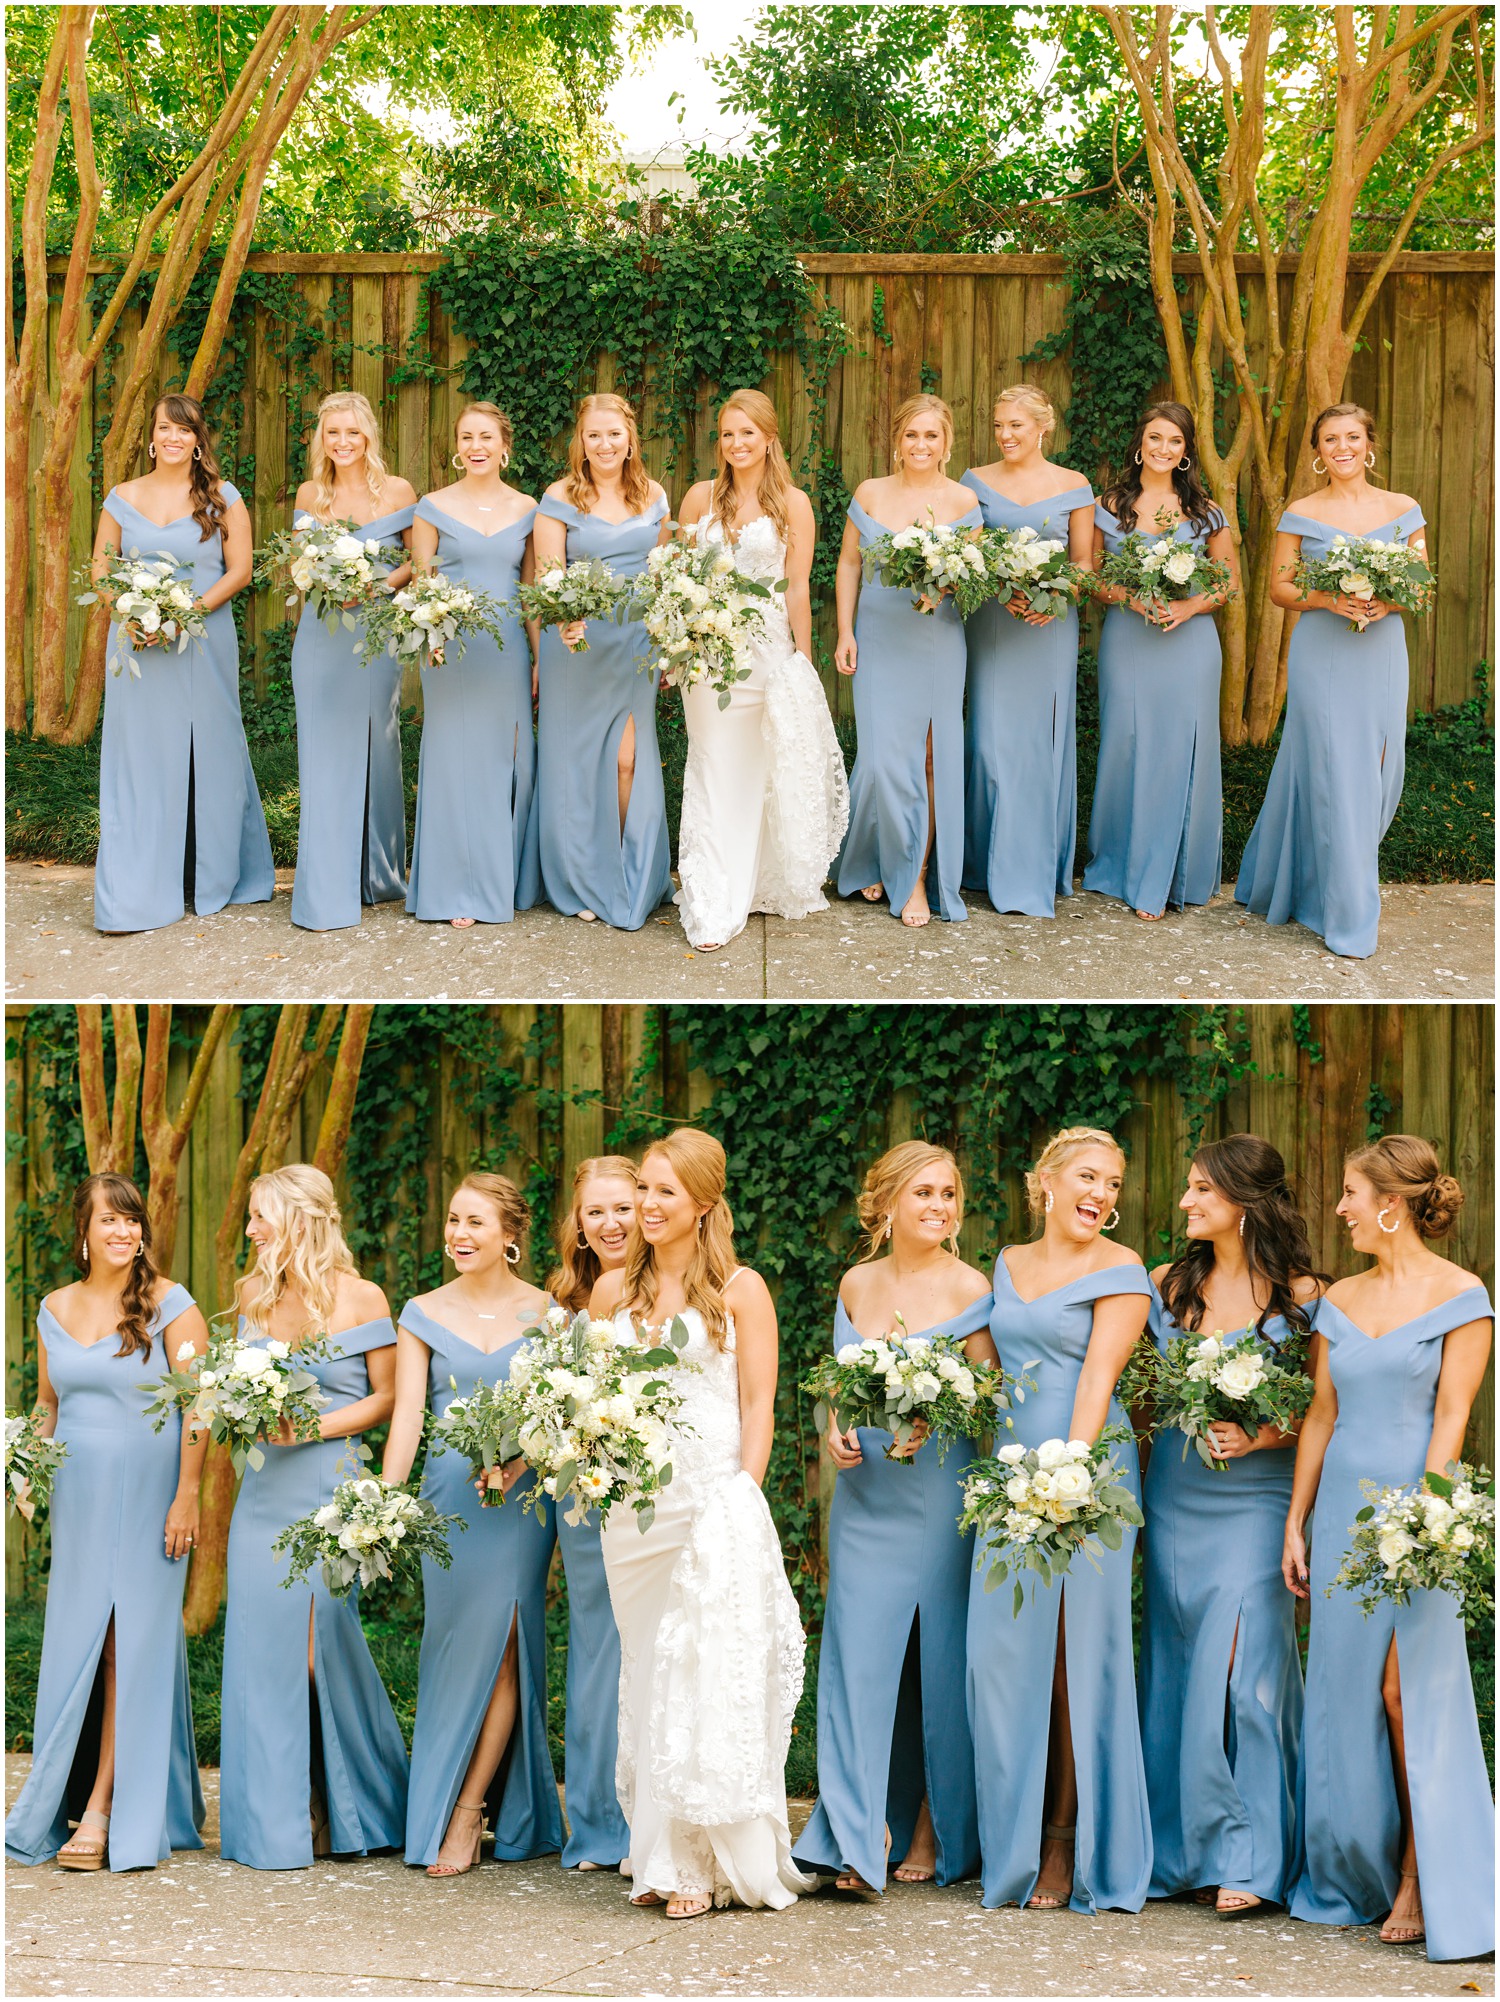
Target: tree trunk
[166,1133]
[338,1113]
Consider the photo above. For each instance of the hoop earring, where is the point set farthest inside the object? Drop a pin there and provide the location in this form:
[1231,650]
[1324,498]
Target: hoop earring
[448,1253]
[1389,1229]
[513,1254]
[458,460]
[1369,462]
[1046,1202]
[1111,1220]
[1318,467]
[583,1243]
[1185,465]
[504,460]
[197,451]
[140,1248]
[151,449]
[1138,458]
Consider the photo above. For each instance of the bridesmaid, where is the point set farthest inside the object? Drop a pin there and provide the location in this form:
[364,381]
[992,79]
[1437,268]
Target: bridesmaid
[482,1678]
[474,852]
[1063,1818]
[1155,833]
[351,816]
[906,792]
[112,1746]
[1221,1684]
[895,1759]
[313,1761]
[602,807]
[1393,1799]
[592,1239]
[1021,780]
[1314,851]
[180,819]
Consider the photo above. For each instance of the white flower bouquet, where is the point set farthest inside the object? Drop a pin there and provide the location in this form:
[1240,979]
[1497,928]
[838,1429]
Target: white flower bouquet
[929,560]
[1217,1379]
[1437,1535]
[1038,566]
[151,602]
[590,1404]
[481,1428]
[426,617]
[30,1462]
[239,1392]
[1158,570]
[700,613]
[1358,566]
[369,1530]
[567,592]
[1035,1507]
[334,567]
[898,1380]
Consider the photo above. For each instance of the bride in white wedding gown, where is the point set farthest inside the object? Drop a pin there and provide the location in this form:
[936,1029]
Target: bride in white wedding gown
[711,1645]
[765,800]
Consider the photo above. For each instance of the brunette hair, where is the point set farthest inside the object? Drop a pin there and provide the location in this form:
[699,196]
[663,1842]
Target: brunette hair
[138,1302]
[889,1176]
[319,465]
[1402,1164]
[578,481]
[1355,410]
[1193,497]
[502,422]
[515,1217]
[914,407]
[1058,1151]
[776,483]
[209,504]
[1248,1170]
[305,1253]
[579,1268]
[1030,398]
[697,1160]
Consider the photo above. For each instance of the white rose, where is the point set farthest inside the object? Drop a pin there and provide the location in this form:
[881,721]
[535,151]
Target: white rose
[1011,1454]
[925,1387]
[948,1367]
[723,564]
[149,618]
[279,1350]
[1042,1486]
[1462,1537]
[848,1355]
[556,1318]
[1072,1485]
[1355,584]
[1051,1453]
[207,1378]
[963,1383]
[186,1352]
[1240,1374]
[368,1490]
[1393,1546]
[1018,1488]
[1180,567]
[346,547]
[1079,1449]
[1210,1348]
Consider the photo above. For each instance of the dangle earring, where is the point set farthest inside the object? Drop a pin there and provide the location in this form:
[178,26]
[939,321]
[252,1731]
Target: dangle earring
[85,1251]
[1111,1220]
[1047,1202]
[1389,1229]
[1242,1223]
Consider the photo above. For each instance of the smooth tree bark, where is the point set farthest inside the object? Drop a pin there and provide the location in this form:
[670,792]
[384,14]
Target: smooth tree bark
[109,1118]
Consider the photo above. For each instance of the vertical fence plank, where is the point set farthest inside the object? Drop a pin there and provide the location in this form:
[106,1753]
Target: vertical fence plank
[583,1070]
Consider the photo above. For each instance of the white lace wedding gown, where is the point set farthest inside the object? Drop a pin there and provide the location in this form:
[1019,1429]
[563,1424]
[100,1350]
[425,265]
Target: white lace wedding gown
[765,800]
[711,1662]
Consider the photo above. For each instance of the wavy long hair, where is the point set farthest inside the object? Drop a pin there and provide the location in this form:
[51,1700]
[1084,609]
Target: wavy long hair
[578,482]
[697,1160]
[776,483]
[320,470]
[578,1263]
[306,1251]
[209,504]
[1403,1164]
[138,1301]
[1193,497]
[1250,1172]
[888,1177]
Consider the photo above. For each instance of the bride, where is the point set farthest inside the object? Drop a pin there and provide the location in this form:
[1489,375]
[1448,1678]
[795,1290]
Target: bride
[765,801]
[711,1645]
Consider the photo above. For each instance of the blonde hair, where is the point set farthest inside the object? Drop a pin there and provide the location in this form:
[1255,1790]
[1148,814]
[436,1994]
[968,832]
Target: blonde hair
[320,467]
[306,1252]
[776,483]
[579,1268]
[1031,399]
[501,420]
[515,1217]
[889,1176]
[1058,1151]
[579,481]
[914,407]
[697,1160]
[1402,1164]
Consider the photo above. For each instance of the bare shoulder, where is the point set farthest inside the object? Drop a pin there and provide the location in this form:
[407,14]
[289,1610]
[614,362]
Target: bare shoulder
[969,1283]
[857,1283]
[558,490]
[534,1302]
[61,1298]
[1159,1272]
[1304,1287]
[1118,1255]
[655,490]
[799,508]
[161,1287]
[250,1291]
[427,1301]
[608,1293]
[1310,504]
[696,499]
[1403,501]
[399,492]
[747,1288]
[871,490]
[526,500]
[1459,1281]
[1344,1289]
[368,1299]
[306,497]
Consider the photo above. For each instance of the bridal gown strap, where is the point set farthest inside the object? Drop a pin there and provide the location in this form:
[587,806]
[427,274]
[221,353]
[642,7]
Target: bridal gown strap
[765,800]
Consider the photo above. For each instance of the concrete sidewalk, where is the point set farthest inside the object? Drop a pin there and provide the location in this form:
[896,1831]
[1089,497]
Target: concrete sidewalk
[1437,942]
[199,1926]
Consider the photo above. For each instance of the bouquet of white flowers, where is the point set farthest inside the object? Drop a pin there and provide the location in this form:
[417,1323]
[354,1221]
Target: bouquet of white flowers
[335,568]
[1437,1535]
[239,1392]
[1214,1380]
[368,1531]
[1035,1507]
[1159,570]
[590,1405]
[898,1379]
[1038,566]
[30,1462]
[570,591]
[700,613]
[929,560]
[479,1427]
[151,601]
[1358,566]
[426,617]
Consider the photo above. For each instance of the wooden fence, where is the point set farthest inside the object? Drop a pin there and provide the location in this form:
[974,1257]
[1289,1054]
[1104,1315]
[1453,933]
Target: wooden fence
[1425,366]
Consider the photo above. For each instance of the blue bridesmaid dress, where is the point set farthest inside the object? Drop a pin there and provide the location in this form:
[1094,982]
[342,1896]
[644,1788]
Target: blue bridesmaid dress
[499,1578]
[1021,775]
[909,679]
[351,816]
[1011,1655]
[1314,852]
[1220,1744]
[267,1746]
[891,1722]
[109,1506]
[1156,829]
[584,703]
[179,813]
[1346,1793]
[474,852]
[597,1830]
